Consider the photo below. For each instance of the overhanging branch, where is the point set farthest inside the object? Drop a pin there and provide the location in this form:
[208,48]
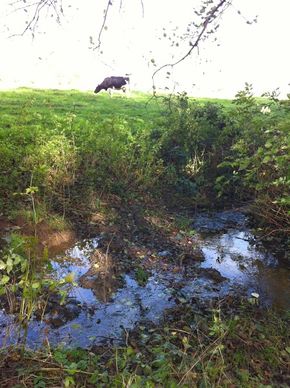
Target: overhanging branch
[212,15]
[106,12]
[39,6]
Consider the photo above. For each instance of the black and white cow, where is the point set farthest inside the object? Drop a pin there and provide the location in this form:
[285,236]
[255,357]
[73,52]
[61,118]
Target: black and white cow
[113,83]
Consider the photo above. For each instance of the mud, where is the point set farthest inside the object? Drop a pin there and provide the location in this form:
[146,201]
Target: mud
[119,285]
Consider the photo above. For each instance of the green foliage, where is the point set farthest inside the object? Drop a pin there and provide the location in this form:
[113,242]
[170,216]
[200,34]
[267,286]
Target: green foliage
[117,156]
[19,276]
[59,147]
[72,146]
[248,350]
[68,149]
[141,276]
[257,163]
[197,134]
[230,153]
[23,280]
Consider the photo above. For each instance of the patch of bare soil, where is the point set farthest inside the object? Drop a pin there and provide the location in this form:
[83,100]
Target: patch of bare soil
[55,241]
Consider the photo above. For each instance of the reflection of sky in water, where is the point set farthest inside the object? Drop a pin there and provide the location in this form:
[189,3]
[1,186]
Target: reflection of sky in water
[130,304]
[221,254]
[84,295]
[230,253]
[77,259]
[243,263]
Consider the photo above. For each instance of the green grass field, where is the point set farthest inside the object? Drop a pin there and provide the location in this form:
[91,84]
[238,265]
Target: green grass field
[86,104]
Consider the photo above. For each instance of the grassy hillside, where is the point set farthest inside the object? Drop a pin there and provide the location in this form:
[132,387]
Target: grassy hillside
[86,104]
[52,139]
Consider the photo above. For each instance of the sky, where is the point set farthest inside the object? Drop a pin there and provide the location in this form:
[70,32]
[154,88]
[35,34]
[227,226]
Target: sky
[60,56]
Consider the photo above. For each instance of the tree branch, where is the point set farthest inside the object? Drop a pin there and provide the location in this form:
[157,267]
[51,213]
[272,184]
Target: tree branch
[39,5]
[143,9]
[212,16]
[103,24]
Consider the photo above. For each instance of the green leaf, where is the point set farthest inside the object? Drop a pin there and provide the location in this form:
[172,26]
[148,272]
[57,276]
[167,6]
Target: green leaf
[76,326]
[266,159]
[72,368]
[82,364]
[23,265]
[69,277]
[35,285]
[4,280]
[69,382]
[9,265]
[63,295]
[17,259]
[2,264]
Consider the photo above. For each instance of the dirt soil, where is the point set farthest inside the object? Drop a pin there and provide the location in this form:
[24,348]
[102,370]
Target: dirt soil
[55,241]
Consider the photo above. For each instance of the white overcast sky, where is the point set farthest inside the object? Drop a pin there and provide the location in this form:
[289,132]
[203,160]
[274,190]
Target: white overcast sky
[61,58]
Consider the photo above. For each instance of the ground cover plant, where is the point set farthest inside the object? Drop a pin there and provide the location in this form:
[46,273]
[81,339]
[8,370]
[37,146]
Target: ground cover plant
[128,168]
[248,349]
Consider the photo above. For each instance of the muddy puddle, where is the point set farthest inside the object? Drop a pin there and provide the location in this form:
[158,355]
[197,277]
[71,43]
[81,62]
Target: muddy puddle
[103,305]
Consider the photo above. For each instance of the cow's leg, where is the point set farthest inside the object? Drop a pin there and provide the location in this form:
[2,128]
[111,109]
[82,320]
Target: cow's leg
[110,91]
[125,91]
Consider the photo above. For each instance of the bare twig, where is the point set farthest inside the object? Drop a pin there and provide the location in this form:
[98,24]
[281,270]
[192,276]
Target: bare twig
[142,6]
[24,7]
[39,5]
[103,24]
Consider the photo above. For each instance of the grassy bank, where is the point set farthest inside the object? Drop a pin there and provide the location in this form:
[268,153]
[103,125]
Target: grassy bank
[68,145]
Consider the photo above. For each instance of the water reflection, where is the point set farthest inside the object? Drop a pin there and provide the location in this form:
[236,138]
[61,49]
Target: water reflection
[235,255]
[104,302]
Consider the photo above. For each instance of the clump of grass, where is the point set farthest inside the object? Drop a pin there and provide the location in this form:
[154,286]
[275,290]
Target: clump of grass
[142,276]
[54,221]
[184,224]
[57,223]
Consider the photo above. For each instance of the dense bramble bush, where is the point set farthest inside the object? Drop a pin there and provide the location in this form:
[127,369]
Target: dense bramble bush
[231,154]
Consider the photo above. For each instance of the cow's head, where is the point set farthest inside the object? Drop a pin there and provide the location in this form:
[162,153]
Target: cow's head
[98,89]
